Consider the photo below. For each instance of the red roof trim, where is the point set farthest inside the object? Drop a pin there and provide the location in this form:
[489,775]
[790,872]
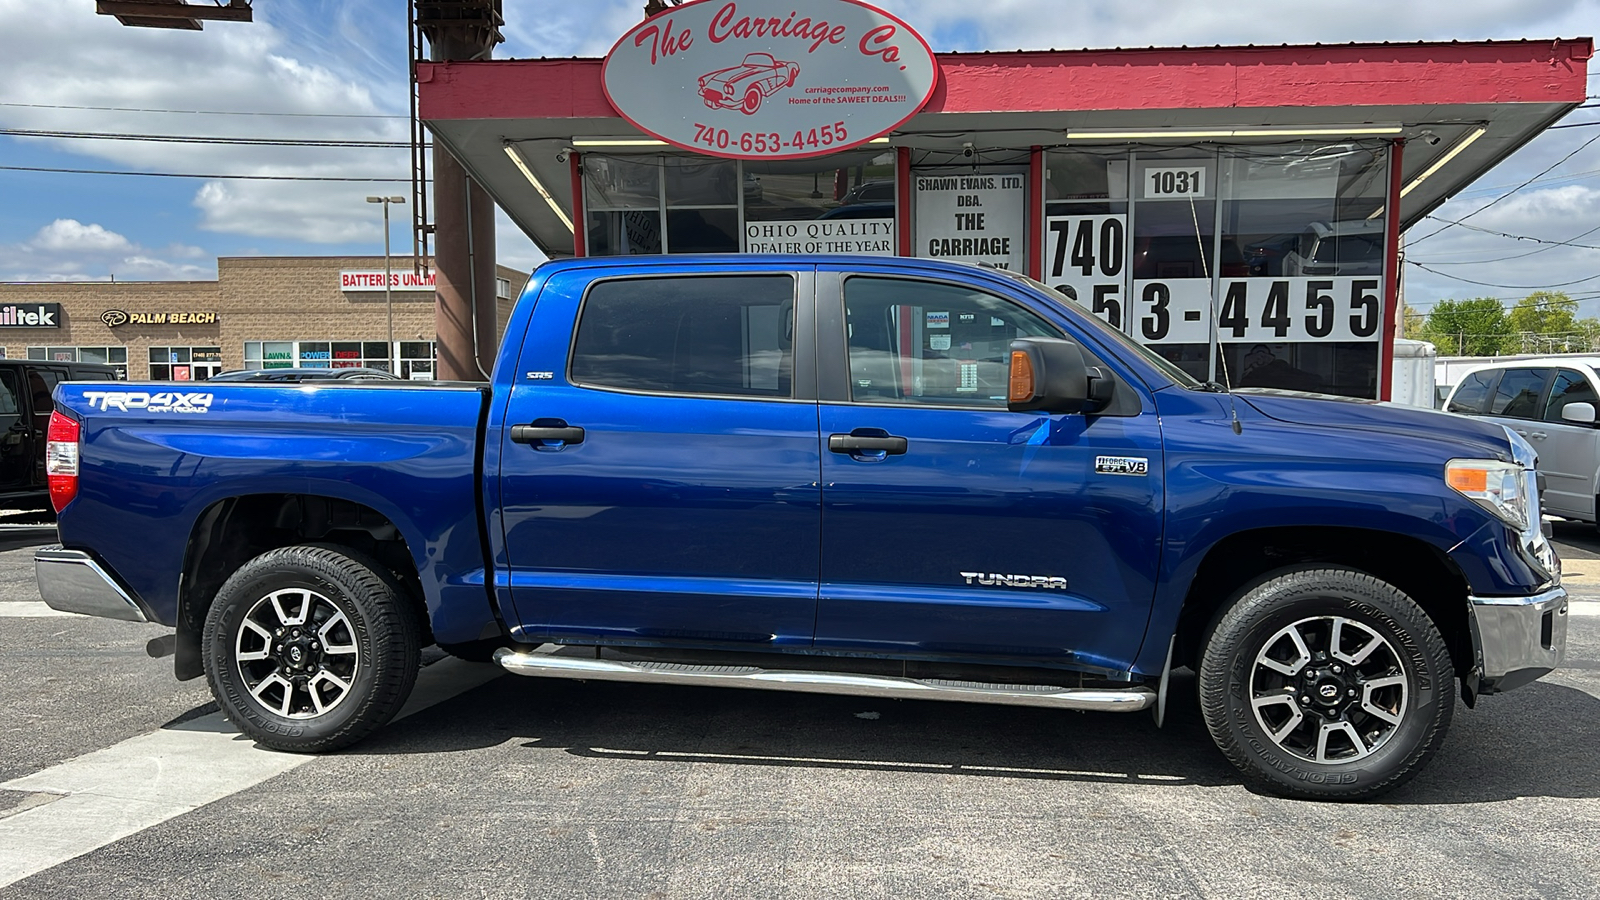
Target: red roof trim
[1346,75]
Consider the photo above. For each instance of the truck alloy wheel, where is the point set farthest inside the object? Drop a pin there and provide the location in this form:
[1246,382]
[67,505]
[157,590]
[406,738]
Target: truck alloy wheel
[296,653]
[1326,683]
[310,648]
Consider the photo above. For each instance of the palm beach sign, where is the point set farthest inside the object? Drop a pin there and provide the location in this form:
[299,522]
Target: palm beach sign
[770,79]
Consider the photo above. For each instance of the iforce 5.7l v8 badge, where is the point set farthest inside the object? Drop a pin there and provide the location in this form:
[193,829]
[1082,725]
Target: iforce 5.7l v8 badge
[1121,465]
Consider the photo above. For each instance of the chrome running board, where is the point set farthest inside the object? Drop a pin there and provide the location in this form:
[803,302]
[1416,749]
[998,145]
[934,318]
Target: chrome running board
[545,664]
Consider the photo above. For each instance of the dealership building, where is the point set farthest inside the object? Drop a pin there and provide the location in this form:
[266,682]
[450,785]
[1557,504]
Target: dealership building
[260,312]
[1247,198]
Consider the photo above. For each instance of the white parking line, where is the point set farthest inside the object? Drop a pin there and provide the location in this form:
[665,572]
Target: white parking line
[143,781]
[1583,607]
[30,609]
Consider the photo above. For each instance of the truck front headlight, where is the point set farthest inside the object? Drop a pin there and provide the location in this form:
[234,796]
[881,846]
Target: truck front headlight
[1499,487]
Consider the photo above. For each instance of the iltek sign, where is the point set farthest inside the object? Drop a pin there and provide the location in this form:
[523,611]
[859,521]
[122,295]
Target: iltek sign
[756,79]
[31,315]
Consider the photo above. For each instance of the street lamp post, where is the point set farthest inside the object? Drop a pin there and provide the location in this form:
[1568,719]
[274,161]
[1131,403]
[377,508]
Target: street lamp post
[388,280]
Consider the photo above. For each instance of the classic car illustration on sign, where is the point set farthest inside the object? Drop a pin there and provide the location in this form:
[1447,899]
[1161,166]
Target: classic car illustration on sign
[744,86]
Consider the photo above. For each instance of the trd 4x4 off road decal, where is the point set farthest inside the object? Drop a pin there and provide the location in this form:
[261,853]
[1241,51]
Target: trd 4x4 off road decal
[163,402]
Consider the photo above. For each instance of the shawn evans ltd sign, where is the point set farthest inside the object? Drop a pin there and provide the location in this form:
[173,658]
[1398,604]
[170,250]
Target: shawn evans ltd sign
[757,79]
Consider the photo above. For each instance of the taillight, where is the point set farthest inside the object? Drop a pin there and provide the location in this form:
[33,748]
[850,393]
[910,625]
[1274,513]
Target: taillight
[61,460]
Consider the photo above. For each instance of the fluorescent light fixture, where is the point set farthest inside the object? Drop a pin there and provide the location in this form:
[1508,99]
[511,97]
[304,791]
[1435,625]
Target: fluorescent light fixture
[1332,131]
[617,142]
[516,159]
[1450,154]
[647,142]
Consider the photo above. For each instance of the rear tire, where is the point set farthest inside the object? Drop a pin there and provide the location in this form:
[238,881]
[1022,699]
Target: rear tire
[310,648]
[1326,683]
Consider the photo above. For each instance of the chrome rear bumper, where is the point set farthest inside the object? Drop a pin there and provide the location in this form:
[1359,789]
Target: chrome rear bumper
[73,581]
[1519,639]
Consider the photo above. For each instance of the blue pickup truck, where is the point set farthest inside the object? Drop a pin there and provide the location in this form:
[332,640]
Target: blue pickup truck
[885,477]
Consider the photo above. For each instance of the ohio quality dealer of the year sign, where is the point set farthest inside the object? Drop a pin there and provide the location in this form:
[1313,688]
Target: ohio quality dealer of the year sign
[770,79]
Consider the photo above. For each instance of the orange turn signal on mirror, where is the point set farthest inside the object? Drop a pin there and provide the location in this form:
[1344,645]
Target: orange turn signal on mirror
[1021,378]
[1468,481]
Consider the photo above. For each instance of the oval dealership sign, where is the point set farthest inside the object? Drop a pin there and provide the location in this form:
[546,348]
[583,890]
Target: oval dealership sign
[770,79]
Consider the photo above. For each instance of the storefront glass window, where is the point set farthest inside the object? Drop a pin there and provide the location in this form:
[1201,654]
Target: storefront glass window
[416,360]
[1306,312]
[318,354]
[1275,250]
[184,363]
[112,356]
[626,197]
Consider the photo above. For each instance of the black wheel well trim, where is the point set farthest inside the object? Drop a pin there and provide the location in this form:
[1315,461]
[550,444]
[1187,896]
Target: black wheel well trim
[1233,565]
[217,547]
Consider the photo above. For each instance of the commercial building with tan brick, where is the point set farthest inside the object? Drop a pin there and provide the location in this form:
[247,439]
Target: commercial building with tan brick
[260,312]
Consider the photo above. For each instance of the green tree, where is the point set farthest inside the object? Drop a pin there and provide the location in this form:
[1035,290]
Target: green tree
[1414,323]
[1546,321]
[1477,327]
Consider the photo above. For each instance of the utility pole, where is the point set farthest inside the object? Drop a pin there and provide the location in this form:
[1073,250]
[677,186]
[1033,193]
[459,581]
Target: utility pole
[388,281]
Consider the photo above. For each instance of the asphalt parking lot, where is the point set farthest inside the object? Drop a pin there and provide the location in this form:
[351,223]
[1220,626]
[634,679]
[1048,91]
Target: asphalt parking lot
[515,787]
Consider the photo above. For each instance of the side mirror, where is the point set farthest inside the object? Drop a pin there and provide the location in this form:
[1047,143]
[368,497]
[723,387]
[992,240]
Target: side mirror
[1578,413]
[1049,374]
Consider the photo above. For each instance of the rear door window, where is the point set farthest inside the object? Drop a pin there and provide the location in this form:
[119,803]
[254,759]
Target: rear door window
[1474,392]
[704,336]
[41,385]
[1519,394]
[1570,387]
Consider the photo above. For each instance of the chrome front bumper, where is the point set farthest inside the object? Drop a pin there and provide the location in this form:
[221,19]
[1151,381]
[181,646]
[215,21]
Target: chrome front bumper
[1519,639]
[73,581]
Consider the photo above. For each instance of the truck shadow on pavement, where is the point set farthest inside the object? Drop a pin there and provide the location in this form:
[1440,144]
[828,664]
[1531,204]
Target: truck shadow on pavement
[1538,742]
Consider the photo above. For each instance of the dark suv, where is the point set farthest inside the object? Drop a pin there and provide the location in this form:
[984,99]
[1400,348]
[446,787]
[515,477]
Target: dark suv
[26,386]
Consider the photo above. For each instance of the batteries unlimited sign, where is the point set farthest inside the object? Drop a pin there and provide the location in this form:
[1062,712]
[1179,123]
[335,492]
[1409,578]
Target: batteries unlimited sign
[770,79]
[1085,258]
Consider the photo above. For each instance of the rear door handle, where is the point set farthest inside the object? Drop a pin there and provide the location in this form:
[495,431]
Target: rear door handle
[855,443]
[1538,435]
[533,434]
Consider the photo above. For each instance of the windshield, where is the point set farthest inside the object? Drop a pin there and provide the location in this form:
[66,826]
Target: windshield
[1178,376]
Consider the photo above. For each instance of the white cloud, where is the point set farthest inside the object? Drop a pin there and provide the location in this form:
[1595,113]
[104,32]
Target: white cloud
[74,57]
[69,250]
[68,235]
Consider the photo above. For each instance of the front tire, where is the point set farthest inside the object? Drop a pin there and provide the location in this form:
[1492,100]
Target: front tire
[1326,683]
[310,648]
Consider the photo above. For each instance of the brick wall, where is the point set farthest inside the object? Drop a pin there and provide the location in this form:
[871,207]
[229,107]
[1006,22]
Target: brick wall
[253,299]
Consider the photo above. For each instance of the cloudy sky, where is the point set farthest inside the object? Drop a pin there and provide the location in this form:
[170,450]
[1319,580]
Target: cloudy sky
[335,69]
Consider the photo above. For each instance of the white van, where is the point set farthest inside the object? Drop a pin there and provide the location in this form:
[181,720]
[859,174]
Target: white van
[1551,401]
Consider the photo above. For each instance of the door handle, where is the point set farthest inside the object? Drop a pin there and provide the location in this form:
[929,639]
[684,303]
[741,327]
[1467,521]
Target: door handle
[533,434]
[1538,435]
[855,443]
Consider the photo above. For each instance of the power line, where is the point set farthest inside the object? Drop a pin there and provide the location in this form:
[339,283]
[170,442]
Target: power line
[1550,245]
[194,175]
[204,112]
[1581,148]
[1514,287]
[199,139]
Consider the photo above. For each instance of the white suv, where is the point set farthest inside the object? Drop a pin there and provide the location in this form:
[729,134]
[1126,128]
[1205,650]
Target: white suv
[1551,402]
